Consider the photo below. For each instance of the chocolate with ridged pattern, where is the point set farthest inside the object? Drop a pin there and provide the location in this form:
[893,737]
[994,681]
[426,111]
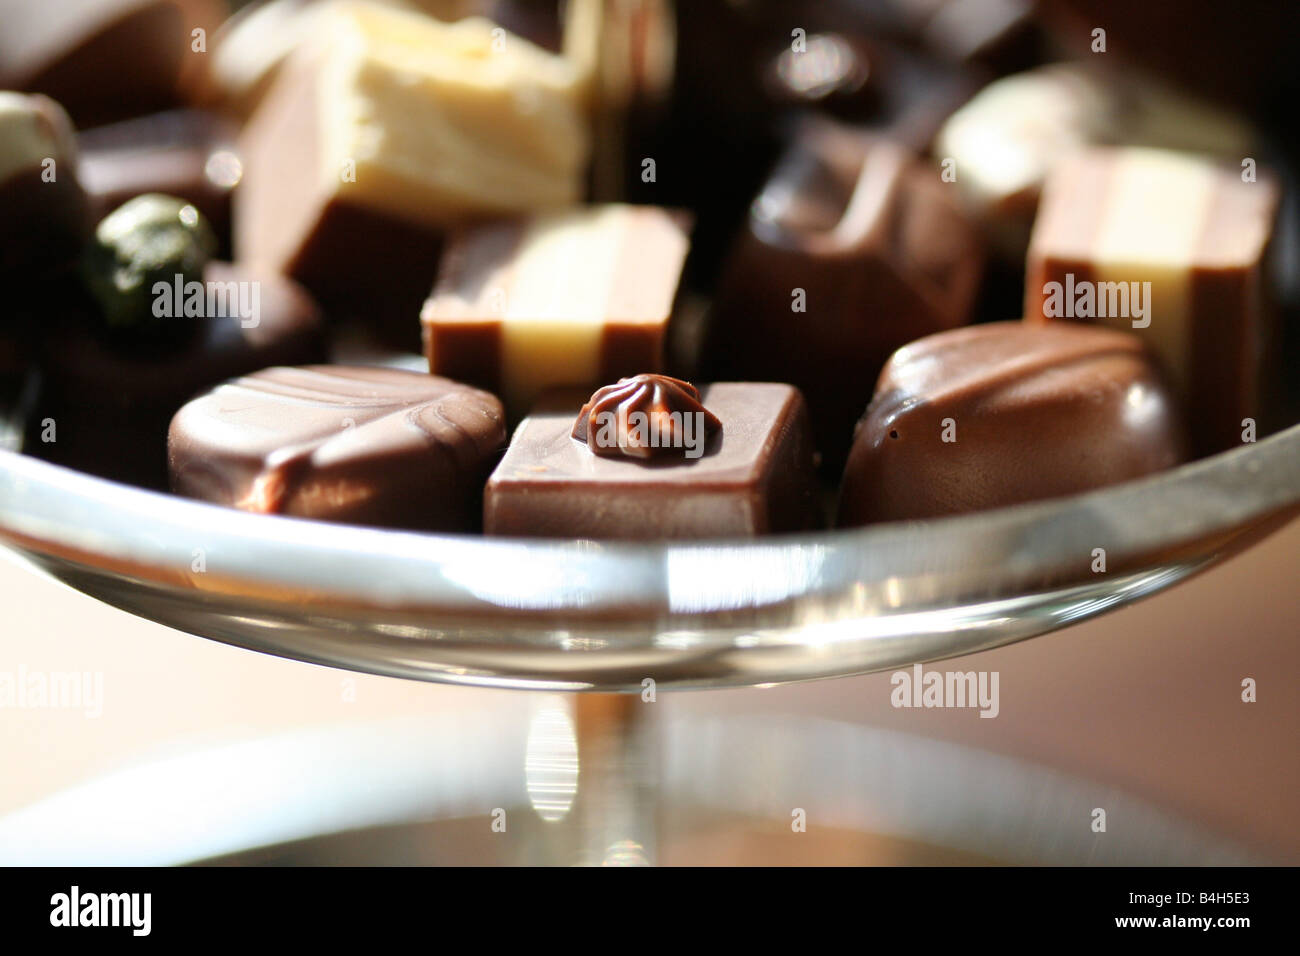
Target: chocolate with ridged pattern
[358,444]
[110,400]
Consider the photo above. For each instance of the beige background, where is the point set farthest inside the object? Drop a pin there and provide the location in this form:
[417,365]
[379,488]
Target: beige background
[1146,699]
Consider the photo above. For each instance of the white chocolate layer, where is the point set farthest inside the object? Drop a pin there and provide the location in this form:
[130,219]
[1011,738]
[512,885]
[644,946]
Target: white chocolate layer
[1155,215]
[435,123]
[556,289]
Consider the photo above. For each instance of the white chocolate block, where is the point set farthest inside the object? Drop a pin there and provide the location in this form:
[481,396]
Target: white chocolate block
[391,115]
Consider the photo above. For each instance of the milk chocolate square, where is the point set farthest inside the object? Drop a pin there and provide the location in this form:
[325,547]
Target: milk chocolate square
[1174,248]
[570,299]
[755,475]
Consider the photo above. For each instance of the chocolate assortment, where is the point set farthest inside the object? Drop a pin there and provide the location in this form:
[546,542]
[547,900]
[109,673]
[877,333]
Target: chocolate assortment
[678,270]
[355,163]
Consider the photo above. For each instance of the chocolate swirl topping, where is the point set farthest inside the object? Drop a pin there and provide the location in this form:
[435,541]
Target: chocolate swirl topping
[646,416]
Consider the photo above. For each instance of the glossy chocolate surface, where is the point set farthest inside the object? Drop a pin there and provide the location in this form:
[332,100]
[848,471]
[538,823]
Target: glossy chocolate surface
[358,444]
[111,400]
[43,214]
[104,60]
[189,154]
[1004,413]
[863,237]
[1176,249]
[755,476]
[645,416]
[567,299]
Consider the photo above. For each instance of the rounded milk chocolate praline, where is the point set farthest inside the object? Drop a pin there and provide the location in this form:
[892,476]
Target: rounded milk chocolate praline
[357,444]
[1004,413]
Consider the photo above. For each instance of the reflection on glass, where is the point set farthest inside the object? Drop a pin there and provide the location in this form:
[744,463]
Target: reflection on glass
[551,761]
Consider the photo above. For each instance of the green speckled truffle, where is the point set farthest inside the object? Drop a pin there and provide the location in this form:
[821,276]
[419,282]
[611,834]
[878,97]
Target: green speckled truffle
[148,240]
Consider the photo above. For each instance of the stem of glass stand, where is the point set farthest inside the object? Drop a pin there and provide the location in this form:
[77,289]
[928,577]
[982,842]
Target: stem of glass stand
[614,810]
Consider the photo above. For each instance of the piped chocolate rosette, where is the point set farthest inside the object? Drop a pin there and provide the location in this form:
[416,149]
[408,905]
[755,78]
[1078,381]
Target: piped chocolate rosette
[646,416]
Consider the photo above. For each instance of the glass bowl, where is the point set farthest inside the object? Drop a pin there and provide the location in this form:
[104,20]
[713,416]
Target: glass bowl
[582,615]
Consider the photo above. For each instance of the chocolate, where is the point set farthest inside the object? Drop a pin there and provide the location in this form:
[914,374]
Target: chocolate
[1173,248]
[152,239]
[747,71]
[104,60]
[43,218]
[190,154]
[570,299]
[1245,61]
[853,248]
[392,129]
[110,401]
[755,475]
[1003,143]
[372,446]
[646,416]
[251,46]
[1001,35]
[1005,413]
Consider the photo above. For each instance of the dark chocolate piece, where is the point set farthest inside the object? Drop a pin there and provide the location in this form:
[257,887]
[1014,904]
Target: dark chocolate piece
[104,60]
[110,401]
[756,476]
[745,71]
[646,416]
[152,239]
[1005,413]
[1242,57]
[43,218]
[185,153]
[565,299]
[1174,248]
[853,248]
[362,445]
